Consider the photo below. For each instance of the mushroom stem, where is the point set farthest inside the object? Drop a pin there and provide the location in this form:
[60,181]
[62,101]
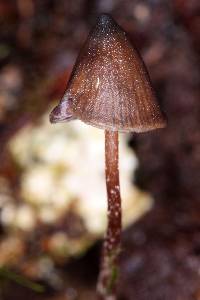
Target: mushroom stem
[107,280]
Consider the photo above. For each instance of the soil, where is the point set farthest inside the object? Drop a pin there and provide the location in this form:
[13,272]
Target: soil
[161,253]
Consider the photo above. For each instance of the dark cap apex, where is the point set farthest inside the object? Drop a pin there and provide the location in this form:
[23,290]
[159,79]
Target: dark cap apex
[109,87]
[104,19]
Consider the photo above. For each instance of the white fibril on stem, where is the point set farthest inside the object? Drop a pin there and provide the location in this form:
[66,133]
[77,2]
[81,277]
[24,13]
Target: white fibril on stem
[107,282]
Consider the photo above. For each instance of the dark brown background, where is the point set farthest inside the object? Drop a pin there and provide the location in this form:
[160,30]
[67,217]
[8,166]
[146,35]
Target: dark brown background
[40,39]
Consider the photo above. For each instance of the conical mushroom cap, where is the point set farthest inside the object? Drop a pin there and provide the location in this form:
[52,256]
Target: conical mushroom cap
[109,87]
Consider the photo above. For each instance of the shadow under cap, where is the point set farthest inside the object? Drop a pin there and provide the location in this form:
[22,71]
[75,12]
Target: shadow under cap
[109,87]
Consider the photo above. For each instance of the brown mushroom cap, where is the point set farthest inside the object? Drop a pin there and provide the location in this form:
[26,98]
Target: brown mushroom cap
[109,86]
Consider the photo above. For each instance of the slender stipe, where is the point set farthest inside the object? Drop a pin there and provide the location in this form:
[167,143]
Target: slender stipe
[110,88]
[108,276]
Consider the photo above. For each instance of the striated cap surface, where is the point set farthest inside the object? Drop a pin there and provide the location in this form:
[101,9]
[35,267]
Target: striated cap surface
[109,87]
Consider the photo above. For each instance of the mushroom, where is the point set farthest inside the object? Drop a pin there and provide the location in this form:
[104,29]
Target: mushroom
[109,88]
